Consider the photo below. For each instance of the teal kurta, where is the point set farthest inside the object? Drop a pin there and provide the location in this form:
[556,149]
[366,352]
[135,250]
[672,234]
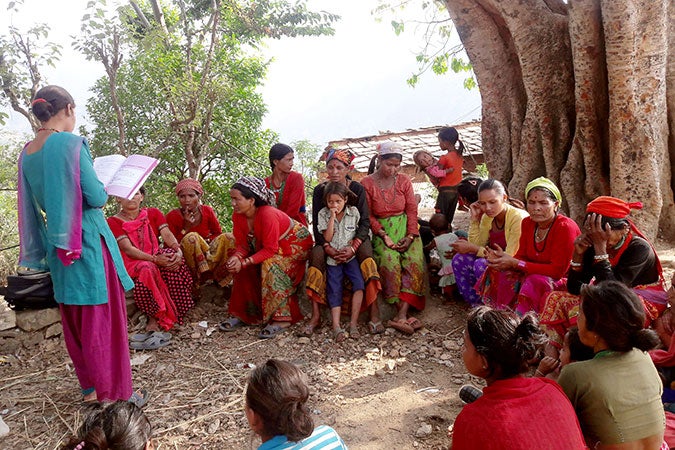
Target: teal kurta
[83,282]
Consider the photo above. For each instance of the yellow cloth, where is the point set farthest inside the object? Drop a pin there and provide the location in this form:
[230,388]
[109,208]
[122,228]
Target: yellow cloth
[479,233]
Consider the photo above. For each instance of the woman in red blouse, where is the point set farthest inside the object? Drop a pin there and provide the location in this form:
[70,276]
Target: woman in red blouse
[205,247]
[522,281]
[396,243]
[162,279]
[268,263]
[288,186]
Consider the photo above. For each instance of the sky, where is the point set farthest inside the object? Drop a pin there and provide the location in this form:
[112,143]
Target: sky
[319,89]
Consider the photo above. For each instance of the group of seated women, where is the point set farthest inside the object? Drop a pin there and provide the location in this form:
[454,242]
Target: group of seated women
[266,254]
[543,278]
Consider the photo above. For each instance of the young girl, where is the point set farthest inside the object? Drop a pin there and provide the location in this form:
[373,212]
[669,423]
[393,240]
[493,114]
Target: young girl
[429,164]
[452,163]
[276,394]
[338,223]
[120,424]
[442,242]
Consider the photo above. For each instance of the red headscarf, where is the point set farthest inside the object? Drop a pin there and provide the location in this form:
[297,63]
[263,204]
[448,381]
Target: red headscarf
[189,183]
[615,208]
[611,207]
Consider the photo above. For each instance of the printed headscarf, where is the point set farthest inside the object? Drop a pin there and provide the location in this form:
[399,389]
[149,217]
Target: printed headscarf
[259,189]
[543,182]
[611,207]
[344,156]
[189,183]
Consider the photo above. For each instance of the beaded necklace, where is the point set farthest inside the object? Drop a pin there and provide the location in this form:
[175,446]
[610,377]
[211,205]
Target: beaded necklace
[538,240]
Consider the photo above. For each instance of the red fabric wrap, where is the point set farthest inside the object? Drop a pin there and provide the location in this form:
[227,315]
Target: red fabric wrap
[611,207]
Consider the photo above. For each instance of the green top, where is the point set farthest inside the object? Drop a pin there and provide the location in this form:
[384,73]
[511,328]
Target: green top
[617,396]
[83,282]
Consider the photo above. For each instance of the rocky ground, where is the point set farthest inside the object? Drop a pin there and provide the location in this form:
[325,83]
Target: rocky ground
[386,391]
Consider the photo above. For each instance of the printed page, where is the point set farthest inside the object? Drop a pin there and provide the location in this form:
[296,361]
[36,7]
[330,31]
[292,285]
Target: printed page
[131,176]
[106,166]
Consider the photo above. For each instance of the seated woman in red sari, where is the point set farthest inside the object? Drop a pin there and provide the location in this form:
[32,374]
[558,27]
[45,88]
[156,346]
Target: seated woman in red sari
[523,281]
[515,411]
[205,247]
[610,248]
[269,261]
[162,280]
[288,186]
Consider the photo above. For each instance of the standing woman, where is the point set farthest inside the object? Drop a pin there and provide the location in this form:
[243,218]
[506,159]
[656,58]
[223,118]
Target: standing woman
[269,261]
[288,186]
[523,281]
[397,247]
[338,164]
[57,184]
[493,222]
[205,247]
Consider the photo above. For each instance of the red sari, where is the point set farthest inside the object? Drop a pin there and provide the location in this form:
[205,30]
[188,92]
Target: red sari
[279,247]
[158,292]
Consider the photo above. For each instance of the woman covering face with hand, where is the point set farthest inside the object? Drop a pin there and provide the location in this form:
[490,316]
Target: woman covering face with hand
[610,247]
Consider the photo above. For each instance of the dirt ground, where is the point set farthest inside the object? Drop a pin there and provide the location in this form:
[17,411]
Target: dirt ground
[387,391]
[379,392]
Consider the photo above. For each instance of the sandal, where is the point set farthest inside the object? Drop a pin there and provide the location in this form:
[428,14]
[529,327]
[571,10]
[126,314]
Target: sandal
[140,337]
[339,335]
[354,332]
[139,398]
[230,324]
[402,326]
[415,323]
[152,343]
[307,330]
[376,327]
[271,331]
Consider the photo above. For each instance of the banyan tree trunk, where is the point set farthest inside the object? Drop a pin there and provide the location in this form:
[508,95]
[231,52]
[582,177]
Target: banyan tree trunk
[581,92]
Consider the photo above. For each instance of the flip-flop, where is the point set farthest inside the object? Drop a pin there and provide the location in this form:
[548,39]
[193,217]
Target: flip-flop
[139,397]
[307,330]
[401,326]
[376,327]
[415,323]
[339,335]
[271,331]
[354,332]
[140,337]
[230,324]
[152,343]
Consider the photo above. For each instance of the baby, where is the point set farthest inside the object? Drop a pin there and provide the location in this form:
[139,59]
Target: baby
[573,350]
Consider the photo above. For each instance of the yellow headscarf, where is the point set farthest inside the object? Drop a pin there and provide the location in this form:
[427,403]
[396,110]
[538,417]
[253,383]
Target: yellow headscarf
[543,182]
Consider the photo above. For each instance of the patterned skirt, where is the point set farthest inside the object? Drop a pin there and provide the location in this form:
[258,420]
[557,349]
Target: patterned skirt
[161,293]
[562,308]
[401,273]
[207,260]
[267,292]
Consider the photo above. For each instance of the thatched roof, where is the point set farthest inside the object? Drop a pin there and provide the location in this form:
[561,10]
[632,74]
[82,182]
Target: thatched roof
[412,141]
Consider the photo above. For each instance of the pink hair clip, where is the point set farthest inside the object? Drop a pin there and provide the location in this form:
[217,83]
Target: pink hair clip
[79,446]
